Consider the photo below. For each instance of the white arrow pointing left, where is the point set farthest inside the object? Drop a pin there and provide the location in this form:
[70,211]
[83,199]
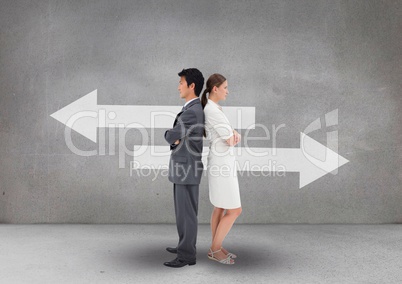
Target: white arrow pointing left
[85,116]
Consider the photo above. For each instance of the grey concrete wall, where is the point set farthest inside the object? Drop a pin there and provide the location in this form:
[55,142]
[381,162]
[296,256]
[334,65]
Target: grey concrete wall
[294,61]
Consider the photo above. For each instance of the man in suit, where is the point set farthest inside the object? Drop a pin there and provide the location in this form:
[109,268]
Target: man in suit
[185,166]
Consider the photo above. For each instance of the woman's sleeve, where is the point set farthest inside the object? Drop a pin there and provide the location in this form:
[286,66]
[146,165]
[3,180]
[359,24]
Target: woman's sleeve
[219,122]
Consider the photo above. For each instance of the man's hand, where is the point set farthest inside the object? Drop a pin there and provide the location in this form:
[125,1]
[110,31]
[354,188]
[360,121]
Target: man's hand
[177,142]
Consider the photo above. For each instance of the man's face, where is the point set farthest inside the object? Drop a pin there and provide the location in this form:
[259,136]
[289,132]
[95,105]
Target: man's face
[185,90]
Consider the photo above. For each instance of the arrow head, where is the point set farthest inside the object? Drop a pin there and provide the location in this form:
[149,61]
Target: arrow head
[313,167]
[81,115]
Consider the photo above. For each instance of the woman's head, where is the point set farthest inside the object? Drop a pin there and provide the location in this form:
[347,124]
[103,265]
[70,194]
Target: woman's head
[216,87]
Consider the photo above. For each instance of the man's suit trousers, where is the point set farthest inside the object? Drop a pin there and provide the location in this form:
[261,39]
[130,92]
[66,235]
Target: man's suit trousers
[186,209]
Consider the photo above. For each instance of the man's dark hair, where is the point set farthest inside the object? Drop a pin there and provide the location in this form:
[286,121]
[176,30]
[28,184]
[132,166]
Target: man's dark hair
[193,75]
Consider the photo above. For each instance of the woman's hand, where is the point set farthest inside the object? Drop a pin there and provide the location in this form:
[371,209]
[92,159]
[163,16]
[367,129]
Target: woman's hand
[234,139]
[177,142]
[237,137]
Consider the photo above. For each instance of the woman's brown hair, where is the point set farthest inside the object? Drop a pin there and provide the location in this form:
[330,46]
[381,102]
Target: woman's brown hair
[215,80]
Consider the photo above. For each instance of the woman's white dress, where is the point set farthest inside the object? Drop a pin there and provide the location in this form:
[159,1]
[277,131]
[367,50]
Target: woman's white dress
[221,166]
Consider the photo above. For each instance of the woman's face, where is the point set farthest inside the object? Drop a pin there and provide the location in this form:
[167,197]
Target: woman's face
[222,91]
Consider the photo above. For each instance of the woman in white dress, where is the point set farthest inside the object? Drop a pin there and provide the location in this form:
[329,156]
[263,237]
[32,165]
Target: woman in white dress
[222,174]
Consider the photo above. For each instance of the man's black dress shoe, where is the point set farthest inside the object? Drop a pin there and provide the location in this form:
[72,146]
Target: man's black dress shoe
[176,263]
[172,250]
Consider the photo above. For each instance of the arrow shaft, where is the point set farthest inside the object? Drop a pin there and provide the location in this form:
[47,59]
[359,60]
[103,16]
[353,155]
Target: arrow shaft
[148,116]
[248,159]
[287,159]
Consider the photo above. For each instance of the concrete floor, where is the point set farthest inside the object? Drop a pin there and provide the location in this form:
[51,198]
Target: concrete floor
[266,254]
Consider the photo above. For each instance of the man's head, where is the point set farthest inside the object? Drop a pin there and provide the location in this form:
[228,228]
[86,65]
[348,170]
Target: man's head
[191,83]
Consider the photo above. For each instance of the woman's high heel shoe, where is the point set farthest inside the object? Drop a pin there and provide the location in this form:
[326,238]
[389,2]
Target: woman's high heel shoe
[226,260]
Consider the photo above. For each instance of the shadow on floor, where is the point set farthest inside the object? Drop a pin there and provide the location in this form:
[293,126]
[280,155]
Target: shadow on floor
[148,257]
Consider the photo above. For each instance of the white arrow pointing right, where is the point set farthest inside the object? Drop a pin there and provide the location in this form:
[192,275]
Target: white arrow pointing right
[302,160]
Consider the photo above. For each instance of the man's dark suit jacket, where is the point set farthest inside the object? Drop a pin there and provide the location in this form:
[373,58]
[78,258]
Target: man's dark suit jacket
[185,165]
